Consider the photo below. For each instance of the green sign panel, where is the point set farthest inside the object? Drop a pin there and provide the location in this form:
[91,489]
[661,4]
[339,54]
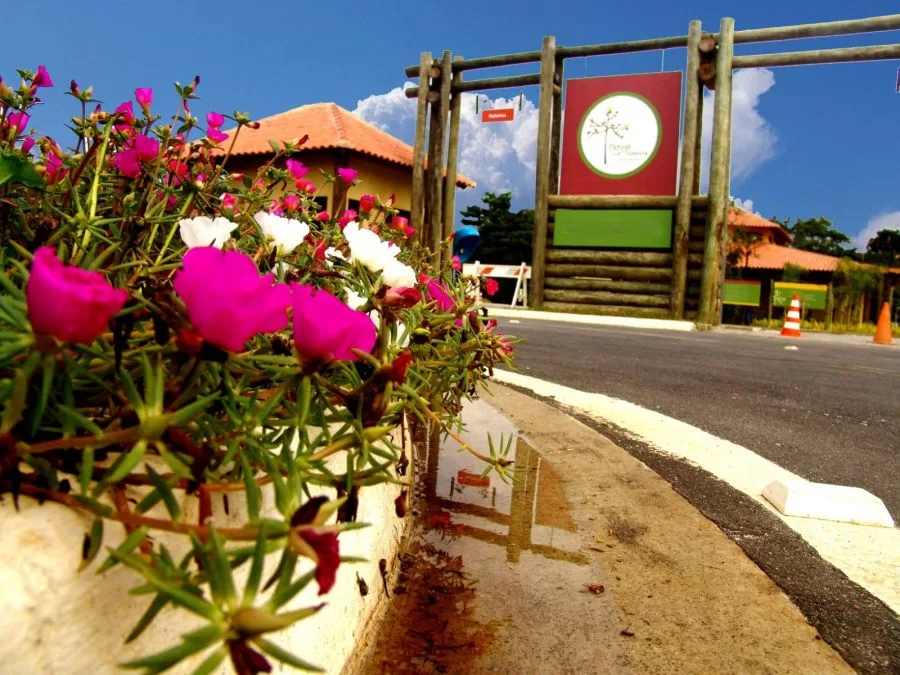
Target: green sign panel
[741,293]
[812,296]
[613,228]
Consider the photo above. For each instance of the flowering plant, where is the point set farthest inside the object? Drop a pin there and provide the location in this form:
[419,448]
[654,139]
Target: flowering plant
[172,332]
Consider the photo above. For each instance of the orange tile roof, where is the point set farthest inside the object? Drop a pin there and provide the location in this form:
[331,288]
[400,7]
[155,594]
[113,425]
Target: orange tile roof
[329,127]
[773,257]
[738,218]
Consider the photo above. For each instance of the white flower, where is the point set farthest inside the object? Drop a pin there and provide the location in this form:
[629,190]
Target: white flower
[204,231]
[332,254]
[286,233]
[367,247]
[355,300]
[397,274]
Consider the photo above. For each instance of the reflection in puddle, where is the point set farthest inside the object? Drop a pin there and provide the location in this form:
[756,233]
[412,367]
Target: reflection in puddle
[487,563]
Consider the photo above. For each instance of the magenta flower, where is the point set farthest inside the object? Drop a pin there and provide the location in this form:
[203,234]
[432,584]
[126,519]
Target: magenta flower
[126,119]
[325,328]
[228,201]
[275,207]
[127,163]
[347,217]
[297,169]
[147,148]
[491,286]
[456,264]
[18,121]
[144,97]
[402,296]
[437,293]
[367,203]
[399,223]
[409,230]
[72,304]
[27,144]
[347,175]
[54,171]
[215,135]
[215,120]
[42,78]
[227,300]
[291,203]
[323,216]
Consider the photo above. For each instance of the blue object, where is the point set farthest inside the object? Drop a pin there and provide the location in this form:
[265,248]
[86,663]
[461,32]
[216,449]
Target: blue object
[465,241]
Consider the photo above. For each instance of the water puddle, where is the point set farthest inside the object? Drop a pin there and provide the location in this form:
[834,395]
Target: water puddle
[492,578]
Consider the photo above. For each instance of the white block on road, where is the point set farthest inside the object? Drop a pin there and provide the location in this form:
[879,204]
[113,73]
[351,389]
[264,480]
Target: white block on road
[827,502]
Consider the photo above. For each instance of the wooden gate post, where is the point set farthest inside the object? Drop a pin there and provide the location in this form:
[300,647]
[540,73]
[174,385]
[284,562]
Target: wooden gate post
[717,220]
[686,180]
[452,155]
[417,207]
[434,180]
[542,171]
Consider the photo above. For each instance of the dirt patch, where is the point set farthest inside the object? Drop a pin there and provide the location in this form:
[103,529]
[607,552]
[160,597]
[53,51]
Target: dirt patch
[624,529]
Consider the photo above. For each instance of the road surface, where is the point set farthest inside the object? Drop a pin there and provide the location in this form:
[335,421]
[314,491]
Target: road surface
[829,411]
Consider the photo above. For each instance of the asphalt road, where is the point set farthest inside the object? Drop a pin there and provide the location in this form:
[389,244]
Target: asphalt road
[829,411]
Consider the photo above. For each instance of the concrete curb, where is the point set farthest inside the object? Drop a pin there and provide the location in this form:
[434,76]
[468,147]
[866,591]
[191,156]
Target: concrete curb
[592,319]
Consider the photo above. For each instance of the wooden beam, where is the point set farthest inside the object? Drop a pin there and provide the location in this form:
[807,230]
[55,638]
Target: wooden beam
[623,47]
[596,257]
[449,217]
[843,55]
[621,201]
[556,129]
[698,146]
[606,298]
[585,284]
[486,62]
[486,84]
[439,112]
[811,30]
[542,170]
[626,273]
[718,174]
[417,207]
[686,178]
[608,310]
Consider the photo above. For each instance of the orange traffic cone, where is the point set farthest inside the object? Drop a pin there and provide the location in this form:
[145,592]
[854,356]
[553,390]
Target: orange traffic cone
[792,320]
[883,329]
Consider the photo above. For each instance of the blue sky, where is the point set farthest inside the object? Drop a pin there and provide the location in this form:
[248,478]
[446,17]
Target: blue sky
[818,140]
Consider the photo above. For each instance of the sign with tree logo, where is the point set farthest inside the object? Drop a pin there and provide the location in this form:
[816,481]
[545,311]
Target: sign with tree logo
[621,135]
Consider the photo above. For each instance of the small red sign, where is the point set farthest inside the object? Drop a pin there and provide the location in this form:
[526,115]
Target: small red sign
[464,477]
[498,115]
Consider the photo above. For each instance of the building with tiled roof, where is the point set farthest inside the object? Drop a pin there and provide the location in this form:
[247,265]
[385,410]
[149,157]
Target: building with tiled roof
[335,138]
[770,251]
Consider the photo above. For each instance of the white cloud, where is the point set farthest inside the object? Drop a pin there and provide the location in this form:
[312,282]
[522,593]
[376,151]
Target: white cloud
[745,204]
[753,140]
[500,156]
[883,221]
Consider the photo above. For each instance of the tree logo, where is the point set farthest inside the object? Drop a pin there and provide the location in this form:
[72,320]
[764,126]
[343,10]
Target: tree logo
[619,135]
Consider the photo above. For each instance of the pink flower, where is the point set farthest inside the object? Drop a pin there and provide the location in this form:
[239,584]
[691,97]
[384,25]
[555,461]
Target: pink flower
[291,203]
[227,300]
[18,121]
[399,223]
[215,135]
[325,328]
[436,292]
[70,303]
[456,264]
[491,286]
[347,217]
[127,163]
[147,148]
[54,169]
[409,230]
[177,171]
[304,185]
[402,296]
[42,78]
[367,203]
[323,216]
[347,175]
[200,180]
[27,144]
[297,169]
[125,111]
[275,207]
[144,97]
[215,120]
[228,201]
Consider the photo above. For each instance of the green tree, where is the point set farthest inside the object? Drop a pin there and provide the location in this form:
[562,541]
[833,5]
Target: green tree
[793,272]
[818,235]
[884,248]
[505,236]
[852,282]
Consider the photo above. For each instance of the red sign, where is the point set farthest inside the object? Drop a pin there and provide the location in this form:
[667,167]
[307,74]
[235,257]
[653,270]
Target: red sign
[498,115]
[464,477]
[621,135]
